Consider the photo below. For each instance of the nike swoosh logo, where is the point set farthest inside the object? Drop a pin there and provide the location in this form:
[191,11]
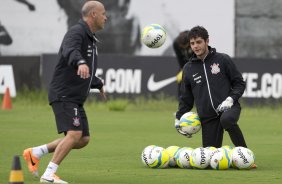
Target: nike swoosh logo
[155,86]
[33,164]
[50,181]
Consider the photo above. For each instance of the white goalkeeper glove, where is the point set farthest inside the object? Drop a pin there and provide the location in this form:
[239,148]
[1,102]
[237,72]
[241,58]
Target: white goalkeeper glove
[177,126]
[225,105]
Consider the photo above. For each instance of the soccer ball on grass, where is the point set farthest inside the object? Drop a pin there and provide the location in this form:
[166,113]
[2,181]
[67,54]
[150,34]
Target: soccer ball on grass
[172,151]
[200,158]
[242,158]
[220,159]
[183,157]
[155,157]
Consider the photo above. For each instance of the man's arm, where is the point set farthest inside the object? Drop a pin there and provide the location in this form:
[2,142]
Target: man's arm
[186,99]
[237,82]
[97,83]
[71,47]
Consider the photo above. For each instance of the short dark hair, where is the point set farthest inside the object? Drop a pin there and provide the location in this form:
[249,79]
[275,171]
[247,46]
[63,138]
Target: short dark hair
[198,31]
[182,38]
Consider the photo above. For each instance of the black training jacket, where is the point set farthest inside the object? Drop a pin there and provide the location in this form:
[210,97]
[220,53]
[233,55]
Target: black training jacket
[208,83]
[78,44]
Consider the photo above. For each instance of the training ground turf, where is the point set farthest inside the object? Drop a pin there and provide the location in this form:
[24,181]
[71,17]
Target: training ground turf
[118,138]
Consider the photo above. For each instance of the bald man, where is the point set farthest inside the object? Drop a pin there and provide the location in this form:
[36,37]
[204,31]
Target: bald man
[73,77]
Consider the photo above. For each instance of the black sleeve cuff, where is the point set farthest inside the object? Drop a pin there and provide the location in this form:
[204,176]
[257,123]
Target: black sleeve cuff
[80,62]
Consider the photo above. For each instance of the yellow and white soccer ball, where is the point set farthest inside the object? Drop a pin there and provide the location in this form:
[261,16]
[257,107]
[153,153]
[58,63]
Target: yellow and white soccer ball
[155,157]
[242,158]
[172,151]
[190,123]
[220,159]
[183,157]
[211,148]
[200,158]
[228,147]
[153,35]
[145,154]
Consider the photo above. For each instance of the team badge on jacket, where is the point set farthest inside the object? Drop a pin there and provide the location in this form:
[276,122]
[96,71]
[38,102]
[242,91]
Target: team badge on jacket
[76,121]
[215,68]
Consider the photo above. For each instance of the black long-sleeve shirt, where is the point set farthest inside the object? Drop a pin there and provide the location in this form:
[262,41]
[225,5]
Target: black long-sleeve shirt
[78,44]
[207,83]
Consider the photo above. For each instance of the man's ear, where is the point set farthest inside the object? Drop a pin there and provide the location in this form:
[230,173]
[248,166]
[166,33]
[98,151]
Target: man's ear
[208,40]
[93,14]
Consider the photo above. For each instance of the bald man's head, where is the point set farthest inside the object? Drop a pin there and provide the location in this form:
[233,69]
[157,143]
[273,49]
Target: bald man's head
[94,14]
[90,6]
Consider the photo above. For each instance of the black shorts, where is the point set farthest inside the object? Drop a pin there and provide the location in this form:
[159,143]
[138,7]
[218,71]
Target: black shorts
[70,116]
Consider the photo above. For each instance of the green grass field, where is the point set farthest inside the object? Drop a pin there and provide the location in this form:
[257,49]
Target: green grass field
[118,138]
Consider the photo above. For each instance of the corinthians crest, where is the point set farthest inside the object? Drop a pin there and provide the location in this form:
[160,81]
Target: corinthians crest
[76,121]
[215,68]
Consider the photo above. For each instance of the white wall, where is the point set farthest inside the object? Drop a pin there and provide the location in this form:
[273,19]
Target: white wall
[33,32]
[41,31]
[217,16]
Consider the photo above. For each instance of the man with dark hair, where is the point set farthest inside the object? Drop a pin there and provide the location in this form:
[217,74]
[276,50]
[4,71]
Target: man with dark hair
[183,52]
[182,49]
[212,81]
[73,77]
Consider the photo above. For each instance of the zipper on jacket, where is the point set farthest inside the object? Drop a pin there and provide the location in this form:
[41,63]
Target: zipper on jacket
[92,70]
[208,85]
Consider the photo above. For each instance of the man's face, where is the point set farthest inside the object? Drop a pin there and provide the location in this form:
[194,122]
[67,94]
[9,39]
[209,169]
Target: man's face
[100,18]
[199,46]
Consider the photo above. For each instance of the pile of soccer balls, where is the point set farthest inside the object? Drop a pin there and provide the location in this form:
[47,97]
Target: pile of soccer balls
[216,158]
[201,158]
